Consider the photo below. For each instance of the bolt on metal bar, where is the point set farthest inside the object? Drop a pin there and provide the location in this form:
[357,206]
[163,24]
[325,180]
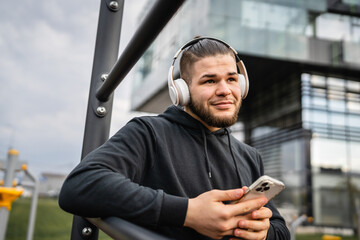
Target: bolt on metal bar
[154,22]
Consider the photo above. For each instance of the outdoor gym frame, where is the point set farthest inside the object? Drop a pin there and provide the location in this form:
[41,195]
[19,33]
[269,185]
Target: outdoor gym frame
[107,74]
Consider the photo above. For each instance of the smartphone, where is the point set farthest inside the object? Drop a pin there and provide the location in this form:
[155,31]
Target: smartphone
[264,186]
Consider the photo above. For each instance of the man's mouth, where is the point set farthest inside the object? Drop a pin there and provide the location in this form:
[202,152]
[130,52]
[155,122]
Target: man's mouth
[223,104]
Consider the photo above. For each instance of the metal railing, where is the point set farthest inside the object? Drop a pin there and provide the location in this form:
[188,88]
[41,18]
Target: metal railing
[107,74]
[118,228]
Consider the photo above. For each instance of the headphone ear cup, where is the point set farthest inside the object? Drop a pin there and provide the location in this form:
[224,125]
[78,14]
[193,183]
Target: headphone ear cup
[244,86]
[183,91]
[173,95]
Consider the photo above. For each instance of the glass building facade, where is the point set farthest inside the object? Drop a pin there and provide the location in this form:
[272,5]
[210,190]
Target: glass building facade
[331,109]
[303,109]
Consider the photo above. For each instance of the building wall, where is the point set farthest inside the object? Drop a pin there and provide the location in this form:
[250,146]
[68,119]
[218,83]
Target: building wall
[50,184]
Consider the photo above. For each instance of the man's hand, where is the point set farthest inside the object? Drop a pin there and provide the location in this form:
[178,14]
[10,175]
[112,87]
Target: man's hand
[256,226]
[208,215]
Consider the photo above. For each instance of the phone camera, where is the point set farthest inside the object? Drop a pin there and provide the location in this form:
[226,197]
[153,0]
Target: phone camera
[264,187]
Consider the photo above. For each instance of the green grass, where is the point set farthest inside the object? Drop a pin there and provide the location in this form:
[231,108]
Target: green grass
[52,223]
[319,237]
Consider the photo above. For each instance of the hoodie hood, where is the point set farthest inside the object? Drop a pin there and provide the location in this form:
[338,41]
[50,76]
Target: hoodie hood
[178,115]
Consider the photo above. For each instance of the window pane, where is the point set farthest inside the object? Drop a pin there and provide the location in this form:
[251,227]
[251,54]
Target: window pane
[353,86]
[305,77]
[322,157]
[318,81]
[337,119]
[336,83]
[291,155]
[337,105]
[319,101]
[353,96]
[353,107]
[355,156]
[319,92]
[354,120]
[306,101]
[319,117]
[306,118]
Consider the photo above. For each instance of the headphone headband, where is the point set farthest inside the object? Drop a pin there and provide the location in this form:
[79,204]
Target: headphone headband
[195,40]
[178,89]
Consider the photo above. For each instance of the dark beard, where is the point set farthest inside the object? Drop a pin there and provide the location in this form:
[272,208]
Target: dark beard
[211,120]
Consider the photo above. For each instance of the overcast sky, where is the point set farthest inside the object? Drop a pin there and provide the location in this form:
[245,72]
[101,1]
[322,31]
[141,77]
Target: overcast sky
[46,49]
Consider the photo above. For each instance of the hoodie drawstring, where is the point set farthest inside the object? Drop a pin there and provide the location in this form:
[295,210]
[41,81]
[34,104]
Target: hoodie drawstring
[208,165]
[206,154]
[233,157]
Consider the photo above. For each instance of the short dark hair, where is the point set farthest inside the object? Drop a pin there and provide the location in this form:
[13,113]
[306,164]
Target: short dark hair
[201,49]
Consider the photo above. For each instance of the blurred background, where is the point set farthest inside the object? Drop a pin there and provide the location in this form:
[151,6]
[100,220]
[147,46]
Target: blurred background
[302,112]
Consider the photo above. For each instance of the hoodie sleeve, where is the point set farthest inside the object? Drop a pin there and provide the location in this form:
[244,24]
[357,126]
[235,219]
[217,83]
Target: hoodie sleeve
[107,182]
[278,229]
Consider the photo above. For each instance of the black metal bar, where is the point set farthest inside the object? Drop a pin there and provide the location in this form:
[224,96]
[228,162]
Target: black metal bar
[118,228]
[154,22]
[97,126]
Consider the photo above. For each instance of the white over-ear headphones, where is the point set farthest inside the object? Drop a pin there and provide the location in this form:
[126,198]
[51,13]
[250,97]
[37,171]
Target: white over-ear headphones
[179,90]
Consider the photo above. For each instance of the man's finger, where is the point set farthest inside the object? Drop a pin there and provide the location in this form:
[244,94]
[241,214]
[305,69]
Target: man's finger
[254,225]
[262,213]
[228,195]
[246,207]
[248,234]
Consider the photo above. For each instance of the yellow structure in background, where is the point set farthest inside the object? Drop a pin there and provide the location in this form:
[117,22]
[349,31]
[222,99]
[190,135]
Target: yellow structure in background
[9,192]
[330,237]
[8,195]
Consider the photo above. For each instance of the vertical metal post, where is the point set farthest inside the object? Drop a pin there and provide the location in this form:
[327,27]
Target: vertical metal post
[8,179]
[308,175]
[97,126]
[295,224]
[33,207]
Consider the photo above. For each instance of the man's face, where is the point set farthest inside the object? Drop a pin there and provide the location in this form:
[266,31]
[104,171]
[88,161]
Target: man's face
[215,92]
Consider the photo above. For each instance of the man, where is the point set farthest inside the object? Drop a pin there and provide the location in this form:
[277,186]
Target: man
[176,172]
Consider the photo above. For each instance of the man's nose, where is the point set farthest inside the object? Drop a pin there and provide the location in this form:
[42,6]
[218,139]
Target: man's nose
[223,89]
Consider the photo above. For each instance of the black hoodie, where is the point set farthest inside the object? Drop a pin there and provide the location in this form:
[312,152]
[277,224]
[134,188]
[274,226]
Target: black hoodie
[149,169]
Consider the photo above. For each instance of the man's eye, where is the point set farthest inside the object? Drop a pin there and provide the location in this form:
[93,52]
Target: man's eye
[232,80]
[209,81]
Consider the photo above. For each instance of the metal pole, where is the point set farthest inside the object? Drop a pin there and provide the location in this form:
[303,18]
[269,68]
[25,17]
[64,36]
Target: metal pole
[33,207]
[118,228]
[97,126]
[154,22]
[8,179]
[295,224]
